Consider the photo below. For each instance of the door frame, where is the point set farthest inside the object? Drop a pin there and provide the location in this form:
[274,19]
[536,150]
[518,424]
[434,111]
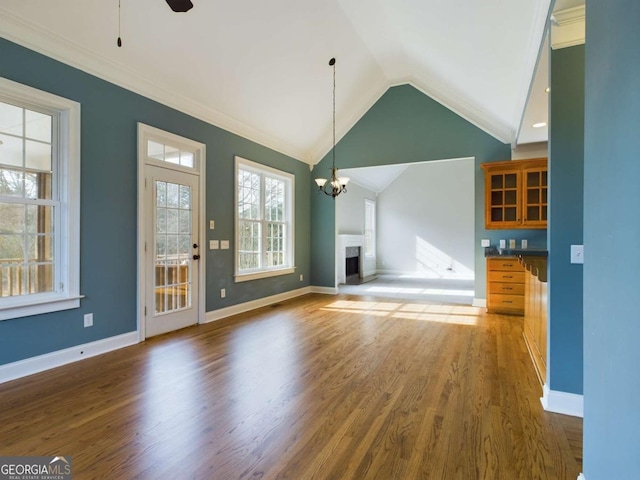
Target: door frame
[146,132]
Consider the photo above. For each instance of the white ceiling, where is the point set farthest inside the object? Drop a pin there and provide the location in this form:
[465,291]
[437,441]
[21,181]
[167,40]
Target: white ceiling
[260,69]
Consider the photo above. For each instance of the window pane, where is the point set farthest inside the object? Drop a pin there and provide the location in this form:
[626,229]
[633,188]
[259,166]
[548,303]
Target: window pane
[38,126]
[39,248]
[185,197]
[172,220]
[171,154]
[38,156]
[173,195]
[155,150]
[10,119]
[161,220]
[11,152]
[186,159]
[12,218]
[11,182]
[39,219]
[38,185]
[161,194]
[11,249]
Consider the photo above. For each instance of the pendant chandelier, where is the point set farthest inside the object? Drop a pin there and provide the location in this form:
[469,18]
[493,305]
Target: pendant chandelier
[335,185]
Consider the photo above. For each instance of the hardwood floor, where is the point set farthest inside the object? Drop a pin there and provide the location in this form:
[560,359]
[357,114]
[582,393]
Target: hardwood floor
[321,387]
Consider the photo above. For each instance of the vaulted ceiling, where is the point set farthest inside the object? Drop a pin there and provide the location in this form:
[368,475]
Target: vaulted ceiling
[260,69]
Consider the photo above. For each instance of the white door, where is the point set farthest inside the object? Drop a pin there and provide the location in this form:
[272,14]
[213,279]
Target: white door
[172,250]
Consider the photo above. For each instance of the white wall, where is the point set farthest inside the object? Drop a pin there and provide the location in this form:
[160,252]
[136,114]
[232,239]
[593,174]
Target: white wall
[530,150]
[426,220]
[350,218]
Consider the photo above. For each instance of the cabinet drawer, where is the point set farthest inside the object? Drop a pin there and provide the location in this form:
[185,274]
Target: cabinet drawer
[507,277]
[506,288]
[504,264]
[500,302]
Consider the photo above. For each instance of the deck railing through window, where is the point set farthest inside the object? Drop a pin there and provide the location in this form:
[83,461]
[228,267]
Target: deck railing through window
[18,279]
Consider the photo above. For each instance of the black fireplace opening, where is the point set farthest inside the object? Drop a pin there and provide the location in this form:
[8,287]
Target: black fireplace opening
[352,265]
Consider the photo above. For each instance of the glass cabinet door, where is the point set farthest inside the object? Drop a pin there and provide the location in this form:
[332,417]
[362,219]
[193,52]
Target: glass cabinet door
[535,197]
[503,199]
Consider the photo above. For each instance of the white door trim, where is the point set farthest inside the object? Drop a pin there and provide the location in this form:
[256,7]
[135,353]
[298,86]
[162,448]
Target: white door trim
[148,132]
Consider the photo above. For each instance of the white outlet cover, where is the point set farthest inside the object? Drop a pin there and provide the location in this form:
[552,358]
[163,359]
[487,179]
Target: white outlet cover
[577,253]
[214,244]
[485,242]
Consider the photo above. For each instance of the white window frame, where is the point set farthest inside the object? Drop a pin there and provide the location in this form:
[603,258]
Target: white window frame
[66,163]
[372,228]
[289,180]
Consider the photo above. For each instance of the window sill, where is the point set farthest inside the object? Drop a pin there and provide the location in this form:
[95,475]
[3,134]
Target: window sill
[37,307]
[245,277]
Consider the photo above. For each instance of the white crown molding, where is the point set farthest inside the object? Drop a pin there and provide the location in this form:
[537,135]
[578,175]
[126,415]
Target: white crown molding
[568,27]
[41,363]
[562,402]
[33,37]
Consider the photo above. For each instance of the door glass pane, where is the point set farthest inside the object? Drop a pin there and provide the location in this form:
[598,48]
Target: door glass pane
[533,195]
[172,247]
[496,198]
[510,214]
[496,214]
[533,213]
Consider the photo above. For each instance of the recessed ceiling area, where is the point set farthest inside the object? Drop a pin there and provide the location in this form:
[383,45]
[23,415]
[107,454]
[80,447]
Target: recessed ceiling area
[259,69]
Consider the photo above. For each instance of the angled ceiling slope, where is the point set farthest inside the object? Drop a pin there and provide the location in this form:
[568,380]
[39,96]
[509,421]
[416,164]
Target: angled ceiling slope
[259,69]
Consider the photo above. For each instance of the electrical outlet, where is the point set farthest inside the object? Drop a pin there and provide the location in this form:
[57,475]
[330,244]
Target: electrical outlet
[214,244]
[223,292]
[485,242]
[88,320]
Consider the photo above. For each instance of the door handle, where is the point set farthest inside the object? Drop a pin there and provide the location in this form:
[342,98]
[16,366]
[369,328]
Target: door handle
[196,257]
[195,245]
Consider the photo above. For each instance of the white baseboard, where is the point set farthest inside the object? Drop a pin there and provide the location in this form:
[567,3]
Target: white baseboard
[221,313]
[479,302]
[29,366]
[562,402]
[582,477]
[325,290]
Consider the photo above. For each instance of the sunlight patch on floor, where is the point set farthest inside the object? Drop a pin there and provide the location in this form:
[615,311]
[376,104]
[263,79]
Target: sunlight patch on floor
[458,314]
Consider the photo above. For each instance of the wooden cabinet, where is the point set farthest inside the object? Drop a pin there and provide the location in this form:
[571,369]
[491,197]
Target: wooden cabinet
[535,314]
[516,194]
[505,285]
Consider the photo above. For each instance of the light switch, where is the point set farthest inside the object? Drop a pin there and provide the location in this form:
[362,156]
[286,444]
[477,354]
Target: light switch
[485,242]
[214,244]
[577,253]
[212,224]
[224,244]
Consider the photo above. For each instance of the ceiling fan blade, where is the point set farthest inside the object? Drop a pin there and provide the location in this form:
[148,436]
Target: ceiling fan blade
[180,5]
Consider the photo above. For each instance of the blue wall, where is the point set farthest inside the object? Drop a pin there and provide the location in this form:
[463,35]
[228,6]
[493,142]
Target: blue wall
[108,209]
[566,178]
[612,237]
[407,126]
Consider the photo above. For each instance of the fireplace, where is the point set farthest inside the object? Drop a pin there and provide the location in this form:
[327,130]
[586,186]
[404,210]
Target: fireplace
[352,265]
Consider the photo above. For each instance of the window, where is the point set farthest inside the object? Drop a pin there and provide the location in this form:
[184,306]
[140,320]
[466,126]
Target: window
[369,228]
[39,201]
[264,221]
